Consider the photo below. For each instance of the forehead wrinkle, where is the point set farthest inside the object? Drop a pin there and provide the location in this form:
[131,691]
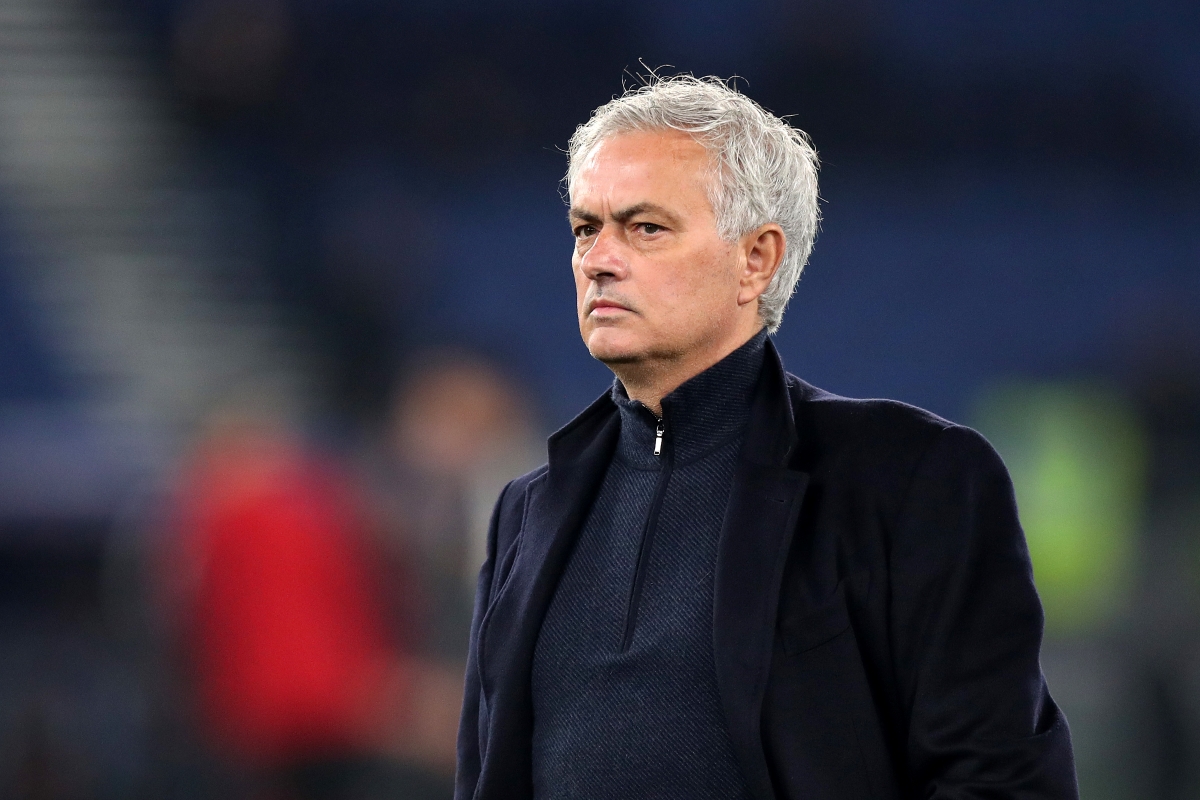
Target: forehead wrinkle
[680,148]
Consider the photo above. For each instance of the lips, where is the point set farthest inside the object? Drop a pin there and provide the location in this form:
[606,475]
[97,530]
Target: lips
[603,303]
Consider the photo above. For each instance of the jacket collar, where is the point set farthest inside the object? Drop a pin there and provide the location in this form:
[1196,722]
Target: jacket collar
[763,507]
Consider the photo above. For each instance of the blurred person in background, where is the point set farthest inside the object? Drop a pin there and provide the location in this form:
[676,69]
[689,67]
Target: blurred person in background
[302,651]
[727,583]
[459,430]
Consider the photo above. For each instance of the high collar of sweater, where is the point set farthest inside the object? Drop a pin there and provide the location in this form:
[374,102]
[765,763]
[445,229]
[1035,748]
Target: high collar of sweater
[702,413]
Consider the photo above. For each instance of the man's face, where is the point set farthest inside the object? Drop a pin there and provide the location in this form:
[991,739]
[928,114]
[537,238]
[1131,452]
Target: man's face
[653,280]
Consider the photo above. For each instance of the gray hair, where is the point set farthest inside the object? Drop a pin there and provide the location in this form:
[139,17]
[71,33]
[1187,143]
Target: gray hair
[765,170]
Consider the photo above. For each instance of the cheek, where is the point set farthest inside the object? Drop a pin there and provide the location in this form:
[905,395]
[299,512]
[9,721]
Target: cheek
[684,297]
[710,280]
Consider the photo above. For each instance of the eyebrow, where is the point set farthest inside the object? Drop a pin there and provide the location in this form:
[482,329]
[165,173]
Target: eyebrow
[624,215]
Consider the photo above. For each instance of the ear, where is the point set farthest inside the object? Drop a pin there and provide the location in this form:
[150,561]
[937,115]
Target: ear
[761,254]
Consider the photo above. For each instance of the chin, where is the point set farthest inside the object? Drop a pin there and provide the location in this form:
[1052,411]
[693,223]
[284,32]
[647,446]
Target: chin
[615,347]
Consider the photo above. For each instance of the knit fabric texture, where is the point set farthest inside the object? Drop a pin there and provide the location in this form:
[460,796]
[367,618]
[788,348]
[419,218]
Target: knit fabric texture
[625,698]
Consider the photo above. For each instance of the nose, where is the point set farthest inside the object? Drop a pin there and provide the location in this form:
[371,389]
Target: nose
[605,258]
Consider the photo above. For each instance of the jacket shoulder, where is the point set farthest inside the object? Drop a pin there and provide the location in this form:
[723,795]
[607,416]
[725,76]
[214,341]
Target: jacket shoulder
[885,440]
[510,507]
[518,486]
[824,415]
[512,499]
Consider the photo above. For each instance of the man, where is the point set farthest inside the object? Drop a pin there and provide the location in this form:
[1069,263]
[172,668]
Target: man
[727,583]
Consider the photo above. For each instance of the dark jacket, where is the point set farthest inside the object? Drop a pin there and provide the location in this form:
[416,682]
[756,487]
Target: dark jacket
[876,629]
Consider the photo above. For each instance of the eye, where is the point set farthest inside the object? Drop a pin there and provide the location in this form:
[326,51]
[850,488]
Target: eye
[585,231]
[649,228]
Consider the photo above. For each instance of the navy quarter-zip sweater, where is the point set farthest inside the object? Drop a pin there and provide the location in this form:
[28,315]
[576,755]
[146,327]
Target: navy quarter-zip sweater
[624,691]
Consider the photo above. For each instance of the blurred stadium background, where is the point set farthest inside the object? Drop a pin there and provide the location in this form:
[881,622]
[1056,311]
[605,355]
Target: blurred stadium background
[285,299]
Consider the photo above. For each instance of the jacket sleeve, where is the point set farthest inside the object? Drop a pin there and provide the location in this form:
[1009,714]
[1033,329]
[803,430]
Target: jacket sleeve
[967,628]
[470,727]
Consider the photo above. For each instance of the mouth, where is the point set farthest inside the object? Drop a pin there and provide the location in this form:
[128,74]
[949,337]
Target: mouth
[605,307]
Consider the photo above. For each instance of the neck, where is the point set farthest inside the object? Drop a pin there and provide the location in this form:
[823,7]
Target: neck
[648,381]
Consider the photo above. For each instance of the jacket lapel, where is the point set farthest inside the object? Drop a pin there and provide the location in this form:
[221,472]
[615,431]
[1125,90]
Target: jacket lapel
[557,506]
[763,508]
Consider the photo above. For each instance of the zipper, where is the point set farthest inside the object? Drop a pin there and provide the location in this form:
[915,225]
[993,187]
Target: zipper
[643,559]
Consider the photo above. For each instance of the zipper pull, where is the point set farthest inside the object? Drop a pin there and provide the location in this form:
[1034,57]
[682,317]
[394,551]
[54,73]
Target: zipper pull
[658,437]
